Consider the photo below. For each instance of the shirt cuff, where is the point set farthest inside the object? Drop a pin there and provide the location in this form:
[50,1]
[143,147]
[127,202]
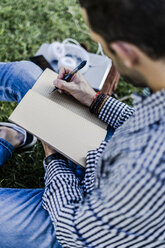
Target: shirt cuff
[54,156]
[55,164]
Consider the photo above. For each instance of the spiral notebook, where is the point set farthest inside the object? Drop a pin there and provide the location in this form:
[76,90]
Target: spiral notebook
[59,120]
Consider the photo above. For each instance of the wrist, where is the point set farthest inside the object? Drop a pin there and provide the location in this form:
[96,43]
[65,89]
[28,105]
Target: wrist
[54,156]
[48,149]
[90,99]
[98,102]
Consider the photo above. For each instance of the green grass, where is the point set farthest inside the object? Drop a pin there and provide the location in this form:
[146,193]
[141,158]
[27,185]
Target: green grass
[24,26]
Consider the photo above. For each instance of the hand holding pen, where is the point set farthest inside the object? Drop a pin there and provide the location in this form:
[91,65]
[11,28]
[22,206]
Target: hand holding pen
[72,73]
[78,87]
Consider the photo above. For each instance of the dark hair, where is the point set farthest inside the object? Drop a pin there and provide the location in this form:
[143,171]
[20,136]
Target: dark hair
[140,22]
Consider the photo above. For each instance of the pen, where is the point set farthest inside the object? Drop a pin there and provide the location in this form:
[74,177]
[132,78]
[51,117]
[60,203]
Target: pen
[70,75]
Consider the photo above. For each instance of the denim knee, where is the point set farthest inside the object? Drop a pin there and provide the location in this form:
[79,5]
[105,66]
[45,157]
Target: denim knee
[27,74]
[16,78]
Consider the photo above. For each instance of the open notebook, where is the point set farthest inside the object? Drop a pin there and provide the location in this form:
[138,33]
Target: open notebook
[59,120]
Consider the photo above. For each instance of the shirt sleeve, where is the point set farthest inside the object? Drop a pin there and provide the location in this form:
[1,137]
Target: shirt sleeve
[61,198]
[115,113]
[91,164]
[111,213]
[65,194]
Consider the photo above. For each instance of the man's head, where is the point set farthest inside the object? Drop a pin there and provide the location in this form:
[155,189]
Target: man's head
[132,32]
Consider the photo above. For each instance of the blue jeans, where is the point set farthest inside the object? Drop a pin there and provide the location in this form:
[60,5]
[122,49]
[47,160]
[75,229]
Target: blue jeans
[23,221]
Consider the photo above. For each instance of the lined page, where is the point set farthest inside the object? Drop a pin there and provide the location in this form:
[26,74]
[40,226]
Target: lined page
[44,86]
[67,132]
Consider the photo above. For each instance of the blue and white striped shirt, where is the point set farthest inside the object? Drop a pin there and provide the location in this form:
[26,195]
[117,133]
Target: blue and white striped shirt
[121,201]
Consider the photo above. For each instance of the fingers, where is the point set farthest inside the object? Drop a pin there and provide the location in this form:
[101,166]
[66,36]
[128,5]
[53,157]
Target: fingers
[62,85]
[60,91]
[63,72]
[69,87]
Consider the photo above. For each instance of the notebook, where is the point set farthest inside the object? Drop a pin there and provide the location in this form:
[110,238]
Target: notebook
[59,120]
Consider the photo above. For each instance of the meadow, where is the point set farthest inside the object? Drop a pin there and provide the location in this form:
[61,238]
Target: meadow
[24,26]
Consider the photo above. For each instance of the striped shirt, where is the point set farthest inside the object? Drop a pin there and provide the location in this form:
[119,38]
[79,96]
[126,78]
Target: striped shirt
[121,201]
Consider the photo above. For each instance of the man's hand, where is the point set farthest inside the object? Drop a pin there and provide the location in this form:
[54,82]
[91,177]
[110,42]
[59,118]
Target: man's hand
[48,149]
[78,87]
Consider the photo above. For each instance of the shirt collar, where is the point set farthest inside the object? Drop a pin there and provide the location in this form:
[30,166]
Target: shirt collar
[148,111]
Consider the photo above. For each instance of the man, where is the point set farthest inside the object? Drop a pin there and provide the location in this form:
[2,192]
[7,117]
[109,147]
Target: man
[121,201]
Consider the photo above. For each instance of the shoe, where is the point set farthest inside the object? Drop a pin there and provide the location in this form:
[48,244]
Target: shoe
[29,139]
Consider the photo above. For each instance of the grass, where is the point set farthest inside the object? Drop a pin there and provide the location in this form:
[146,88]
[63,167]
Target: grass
[24,26]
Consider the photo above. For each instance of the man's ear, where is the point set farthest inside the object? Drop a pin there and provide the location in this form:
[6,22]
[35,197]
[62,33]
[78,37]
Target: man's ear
[128,53]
